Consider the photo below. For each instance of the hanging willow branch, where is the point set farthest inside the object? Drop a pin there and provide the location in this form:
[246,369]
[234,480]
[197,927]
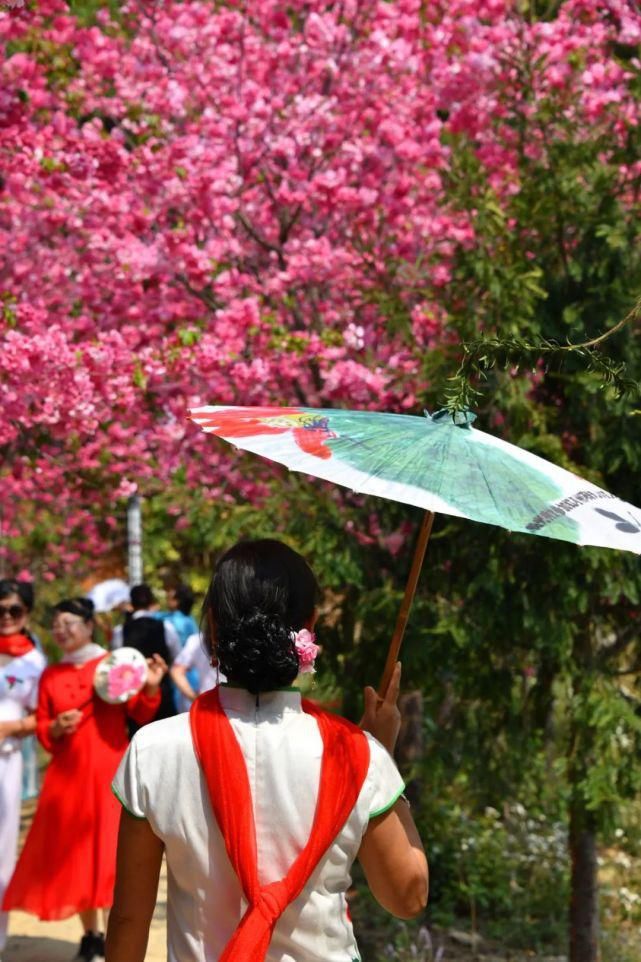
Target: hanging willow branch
[482,354]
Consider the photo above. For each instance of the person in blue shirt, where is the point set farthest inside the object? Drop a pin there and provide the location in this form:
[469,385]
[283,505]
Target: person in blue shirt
[180,601]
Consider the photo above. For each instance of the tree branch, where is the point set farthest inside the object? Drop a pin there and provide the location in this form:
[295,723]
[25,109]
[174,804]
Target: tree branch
[205,297]
[262,241]
[484,353]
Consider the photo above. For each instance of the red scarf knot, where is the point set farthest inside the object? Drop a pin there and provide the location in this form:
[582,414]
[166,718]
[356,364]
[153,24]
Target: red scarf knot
[272,901]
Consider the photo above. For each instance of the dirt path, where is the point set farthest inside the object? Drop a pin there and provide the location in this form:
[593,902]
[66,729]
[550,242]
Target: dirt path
[33,941]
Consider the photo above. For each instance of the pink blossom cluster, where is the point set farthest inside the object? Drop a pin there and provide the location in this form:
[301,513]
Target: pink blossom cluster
[209,203]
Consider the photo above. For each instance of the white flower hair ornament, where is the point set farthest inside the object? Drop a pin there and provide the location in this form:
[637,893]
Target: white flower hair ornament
[306,649]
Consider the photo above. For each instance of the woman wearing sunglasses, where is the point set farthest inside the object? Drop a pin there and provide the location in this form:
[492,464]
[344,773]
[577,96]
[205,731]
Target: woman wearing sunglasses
[21,665]
[68,863]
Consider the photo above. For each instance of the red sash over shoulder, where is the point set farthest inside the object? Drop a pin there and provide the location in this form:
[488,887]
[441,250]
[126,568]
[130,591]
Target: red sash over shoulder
[343,770]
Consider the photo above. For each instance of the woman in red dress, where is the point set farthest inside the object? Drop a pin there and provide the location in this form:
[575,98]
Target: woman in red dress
[69,859]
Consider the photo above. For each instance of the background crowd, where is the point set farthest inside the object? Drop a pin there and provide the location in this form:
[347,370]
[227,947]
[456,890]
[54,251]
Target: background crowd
[75,827]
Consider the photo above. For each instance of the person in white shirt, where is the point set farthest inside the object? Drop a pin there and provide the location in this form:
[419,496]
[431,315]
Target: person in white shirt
[194,656]
[261,801]
[21,665]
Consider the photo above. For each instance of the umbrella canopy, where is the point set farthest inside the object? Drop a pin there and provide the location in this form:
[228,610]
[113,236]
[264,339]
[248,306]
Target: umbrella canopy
[108,594]
[433,463]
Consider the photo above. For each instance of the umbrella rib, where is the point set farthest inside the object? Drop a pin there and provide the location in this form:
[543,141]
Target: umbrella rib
[497,507]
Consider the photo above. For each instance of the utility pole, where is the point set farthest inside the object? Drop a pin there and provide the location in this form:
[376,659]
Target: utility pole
[134,540]
[3,544]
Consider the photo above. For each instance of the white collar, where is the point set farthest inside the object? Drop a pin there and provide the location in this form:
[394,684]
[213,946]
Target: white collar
[82,655]
[270,704]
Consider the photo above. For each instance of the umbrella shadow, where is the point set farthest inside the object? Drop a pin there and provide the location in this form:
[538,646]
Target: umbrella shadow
[26,948]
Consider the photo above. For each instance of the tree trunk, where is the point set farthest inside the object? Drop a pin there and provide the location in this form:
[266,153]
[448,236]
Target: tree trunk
[584,884]
[584,891]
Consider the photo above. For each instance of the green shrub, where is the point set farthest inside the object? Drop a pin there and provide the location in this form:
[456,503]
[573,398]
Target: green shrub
[505,875]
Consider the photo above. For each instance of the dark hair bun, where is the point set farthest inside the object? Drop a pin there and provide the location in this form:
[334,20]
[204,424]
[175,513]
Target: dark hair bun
[261,592]
[257,652]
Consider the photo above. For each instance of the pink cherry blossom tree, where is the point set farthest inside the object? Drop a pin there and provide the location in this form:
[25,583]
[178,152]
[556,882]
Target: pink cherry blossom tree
[241,203]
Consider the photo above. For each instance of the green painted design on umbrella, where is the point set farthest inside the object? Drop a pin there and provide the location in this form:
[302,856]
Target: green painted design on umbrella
[454,461]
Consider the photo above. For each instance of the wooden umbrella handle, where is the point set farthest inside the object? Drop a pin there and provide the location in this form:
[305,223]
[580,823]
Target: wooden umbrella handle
[406,604]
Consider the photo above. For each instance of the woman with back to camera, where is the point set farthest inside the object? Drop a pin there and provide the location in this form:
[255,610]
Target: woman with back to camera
[262,801]
[67,866]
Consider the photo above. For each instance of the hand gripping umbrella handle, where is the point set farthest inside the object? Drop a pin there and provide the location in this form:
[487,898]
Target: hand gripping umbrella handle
[406,604]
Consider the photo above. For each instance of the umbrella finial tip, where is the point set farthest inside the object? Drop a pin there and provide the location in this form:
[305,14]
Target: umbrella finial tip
[461,418]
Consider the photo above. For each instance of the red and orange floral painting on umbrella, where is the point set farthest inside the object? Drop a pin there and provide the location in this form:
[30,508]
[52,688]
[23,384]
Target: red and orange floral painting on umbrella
[309,429]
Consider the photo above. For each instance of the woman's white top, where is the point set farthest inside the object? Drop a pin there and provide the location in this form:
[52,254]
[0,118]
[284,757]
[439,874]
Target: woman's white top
[159,779]
[19,679]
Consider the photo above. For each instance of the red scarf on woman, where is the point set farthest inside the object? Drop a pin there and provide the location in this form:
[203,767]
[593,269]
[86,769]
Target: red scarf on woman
[343,770]
[15,645]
